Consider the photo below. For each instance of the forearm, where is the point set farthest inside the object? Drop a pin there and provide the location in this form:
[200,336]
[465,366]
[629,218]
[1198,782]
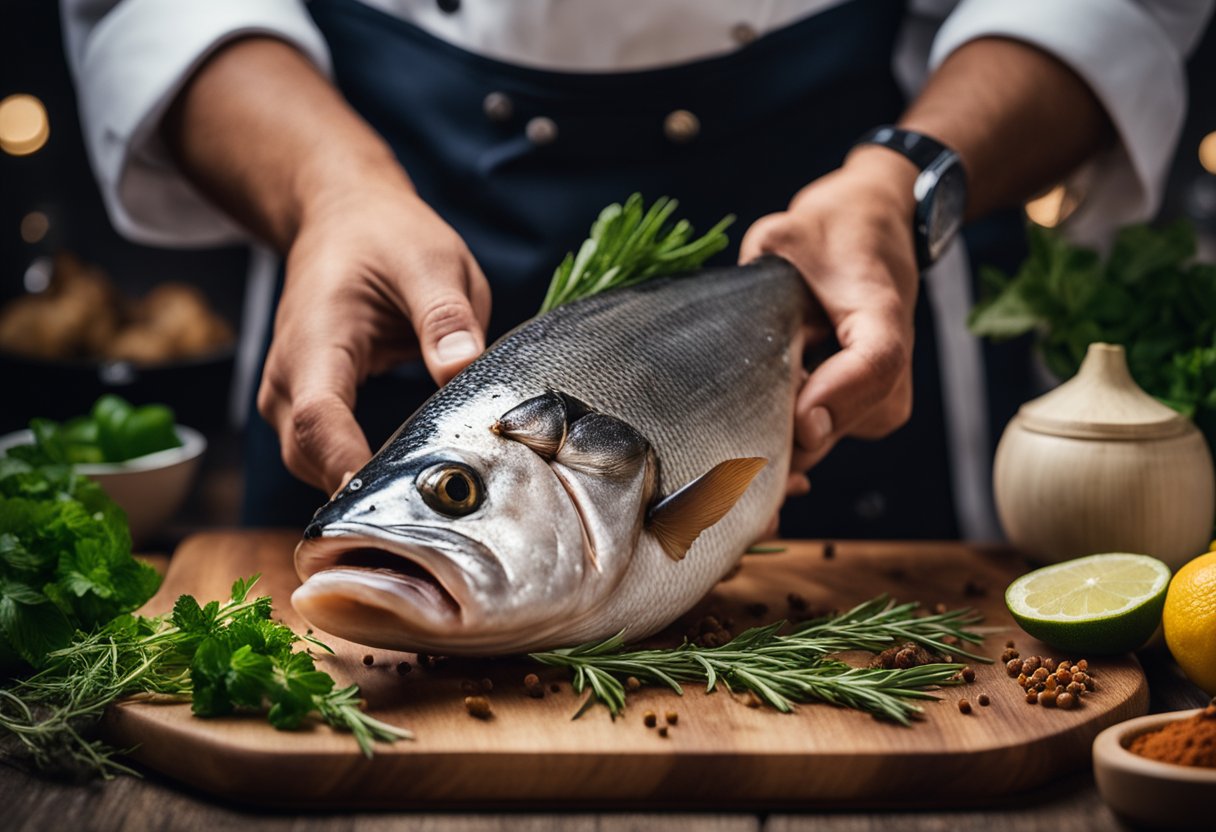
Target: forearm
[266,136]
[1020,119]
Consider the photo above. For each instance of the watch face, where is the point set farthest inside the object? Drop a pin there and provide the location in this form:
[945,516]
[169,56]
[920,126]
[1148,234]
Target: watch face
[947,201]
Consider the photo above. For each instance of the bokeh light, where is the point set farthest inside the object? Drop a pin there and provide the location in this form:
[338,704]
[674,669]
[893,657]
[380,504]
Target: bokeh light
[24,126]
[1049,210]
[1207,152]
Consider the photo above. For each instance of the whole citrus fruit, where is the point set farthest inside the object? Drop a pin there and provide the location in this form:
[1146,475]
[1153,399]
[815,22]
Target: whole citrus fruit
[1190,620]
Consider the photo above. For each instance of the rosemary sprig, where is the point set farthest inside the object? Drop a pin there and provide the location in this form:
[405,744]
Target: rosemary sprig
[784,669]
[221,657]
[629,245]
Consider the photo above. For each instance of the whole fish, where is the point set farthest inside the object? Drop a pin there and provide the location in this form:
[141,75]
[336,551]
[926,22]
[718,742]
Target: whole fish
[598,469]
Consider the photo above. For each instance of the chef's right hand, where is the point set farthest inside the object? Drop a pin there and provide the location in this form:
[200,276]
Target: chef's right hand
[374,277]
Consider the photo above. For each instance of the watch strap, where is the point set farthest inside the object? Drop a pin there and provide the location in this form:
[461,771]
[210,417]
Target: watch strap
[922,150]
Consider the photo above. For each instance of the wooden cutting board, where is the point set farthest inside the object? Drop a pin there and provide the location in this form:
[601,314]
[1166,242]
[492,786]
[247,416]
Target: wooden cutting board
[721,752]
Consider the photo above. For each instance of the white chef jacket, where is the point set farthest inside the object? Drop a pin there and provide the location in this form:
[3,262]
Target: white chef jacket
[130,58]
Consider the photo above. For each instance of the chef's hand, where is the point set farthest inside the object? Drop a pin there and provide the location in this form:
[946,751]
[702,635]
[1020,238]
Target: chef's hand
[374,277]
[850,235]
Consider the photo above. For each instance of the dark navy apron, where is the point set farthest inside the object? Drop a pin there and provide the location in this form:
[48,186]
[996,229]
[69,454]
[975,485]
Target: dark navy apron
[520,161]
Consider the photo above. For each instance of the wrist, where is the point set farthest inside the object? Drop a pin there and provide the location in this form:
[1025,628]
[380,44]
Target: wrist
[333,181]
[886,174]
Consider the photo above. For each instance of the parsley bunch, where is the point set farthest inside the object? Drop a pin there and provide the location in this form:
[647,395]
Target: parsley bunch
[224,658]
[1148,295]
[65,561]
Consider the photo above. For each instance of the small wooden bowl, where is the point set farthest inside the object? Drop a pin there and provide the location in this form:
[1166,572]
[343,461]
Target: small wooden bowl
[1149,792]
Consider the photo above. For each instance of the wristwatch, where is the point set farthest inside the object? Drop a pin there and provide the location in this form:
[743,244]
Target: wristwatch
[940,188]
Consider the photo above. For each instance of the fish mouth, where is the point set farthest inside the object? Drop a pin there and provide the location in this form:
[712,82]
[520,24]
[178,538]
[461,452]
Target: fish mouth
[379,586]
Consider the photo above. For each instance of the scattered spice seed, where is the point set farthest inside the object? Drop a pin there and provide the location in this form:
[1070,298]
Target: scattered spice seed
[796,602]
[369,660]
[829,550]
[1040,674]
[1009,644]
[1013,667]
[983,700]
[531,680]
[1032,697]
[974,589]
[533,686]
[1050,664]
[1023,679]
[649,719]
[632,684]
[1030,664]
[940,608]
[555,687]
[672,717]
[403,668]
[663,731]
[964,707]
[1066,700]
[1048,698]
[1083,665]
[487,685]
[478,706]
[968,674]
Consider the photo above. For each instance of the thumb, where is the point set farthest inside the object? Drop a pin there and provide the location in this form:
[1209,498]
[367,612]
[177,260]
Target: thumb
[448,331]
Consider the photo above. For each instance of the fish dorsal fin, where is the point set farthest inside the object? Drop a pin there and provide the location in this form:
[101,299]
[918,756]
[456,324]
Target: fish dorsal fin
[678,519]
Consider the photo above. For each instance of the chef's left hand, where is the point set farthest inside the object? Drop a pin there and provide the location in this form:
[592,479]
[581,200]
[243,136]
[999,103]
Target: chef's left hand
[850,235]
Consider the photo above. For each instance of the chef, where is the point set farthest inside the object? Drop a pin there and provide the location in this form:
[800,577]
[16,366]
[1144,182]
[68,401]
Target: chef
[398,160]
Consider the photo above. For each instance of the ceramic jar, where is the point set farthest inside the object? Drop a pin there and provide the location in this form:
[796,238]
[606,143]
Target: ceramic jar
[1098,465]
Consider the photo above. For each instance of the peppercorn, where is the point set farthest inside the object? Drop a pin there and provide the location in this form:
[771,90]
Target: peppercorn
[1010,643]
[533,686]
[1063,676]
[905,658]
[1039,675]
[1075,688]
[369,660]
[403,668]
[531,680]
[1051,683]
[1023,679]
[940,608]
[1066,700]
[964,707]
[983,700]
[1083,665]
[632,684]
[663,731]
[555,687]
[1050,664]
[649,719]
[672,717]
[1032,697]
[478,706]
[796,602]
[1013,667]
[1048,698]
[968,674]
[829,550]
[1030,664]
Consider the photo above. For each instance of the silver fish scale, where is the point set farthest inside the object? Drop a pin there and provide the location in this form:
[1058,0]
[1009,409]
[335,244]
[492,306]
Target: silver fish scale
[704,366]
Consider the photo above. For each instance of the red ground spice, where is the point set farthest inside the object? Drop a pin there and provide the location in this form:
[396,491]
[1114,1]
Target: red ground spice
[1187,742]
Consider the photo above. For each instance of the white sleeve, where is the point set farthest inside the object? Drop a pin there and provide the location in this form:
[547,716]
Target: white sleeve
[129,60]
[1130,53]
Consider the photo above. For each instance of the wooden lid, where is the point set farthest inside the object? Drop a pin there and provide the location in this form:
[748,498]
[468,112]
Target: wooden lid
[1102,402]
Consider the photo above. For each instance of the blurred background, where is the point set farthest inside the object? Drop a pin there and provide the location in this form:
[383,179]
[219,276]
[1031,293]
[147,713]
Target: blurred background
[157,324]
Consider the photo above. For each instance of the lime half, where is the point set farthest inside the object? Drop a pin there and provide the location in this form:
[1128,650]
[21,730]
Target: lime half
[1092,605]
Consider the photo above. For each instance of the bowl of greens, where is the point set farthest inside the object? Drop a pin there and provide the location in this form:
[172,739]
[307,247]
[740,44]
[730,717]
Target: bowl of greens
[140,456]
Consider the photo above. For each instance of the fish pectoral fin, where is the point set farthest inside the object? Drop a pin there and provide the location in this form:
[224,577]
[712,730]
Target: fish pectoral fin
[678,519]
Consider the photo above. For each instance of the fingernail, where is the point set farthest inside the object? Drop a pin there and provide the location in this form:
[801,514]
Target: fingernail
[456,346]
[821,426]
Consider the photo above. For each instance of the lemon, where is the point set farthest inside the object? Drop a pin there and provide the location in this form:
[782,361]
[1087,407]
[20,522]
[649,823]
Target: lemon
[1190,620]
[1092,605]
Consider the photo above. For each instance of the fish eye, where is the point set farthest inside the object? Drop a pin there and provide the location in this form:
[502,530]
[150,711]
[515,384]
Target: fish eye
[451,488]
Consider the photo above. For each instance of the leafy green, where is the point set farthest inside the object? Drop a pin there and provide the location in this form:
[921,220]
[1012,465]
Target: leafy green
[65,561]
[225,658]
[114,431]
[782,669]
[1148,295]
[628,245]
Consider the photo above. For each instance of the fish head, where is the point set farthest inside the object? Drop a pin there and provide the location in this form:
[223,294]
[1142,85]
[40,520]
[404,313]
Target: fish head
[488,539]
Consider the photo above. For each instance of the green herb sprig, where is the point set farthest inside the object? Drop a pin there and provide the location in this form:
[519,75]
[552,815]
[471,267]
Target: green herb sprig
[630,244]
[223,658]
[784,669]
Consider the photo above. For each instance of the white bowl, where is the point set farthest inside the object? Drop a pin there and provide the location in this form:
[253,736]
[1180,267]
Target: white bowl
[149,488]
[1150,792]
